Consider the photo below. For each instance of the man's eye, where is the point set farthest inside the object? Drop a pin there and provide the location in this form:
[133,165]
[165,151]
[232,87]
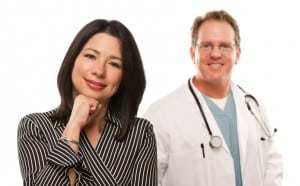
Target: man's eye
[206,46]
[225,46]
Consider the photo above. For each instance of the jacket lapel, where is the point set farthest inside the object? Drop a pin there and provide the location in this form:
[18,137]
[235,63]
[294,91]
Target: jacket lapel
[95,165]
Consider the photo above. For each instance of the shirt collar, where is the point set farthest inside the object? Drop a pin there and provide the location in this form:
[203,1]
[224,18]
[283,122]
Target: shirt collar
[113,118]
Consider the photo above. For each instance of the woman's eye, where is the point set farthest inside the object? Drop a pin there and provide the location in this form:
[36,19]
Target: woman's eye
[115,64]
[90,56]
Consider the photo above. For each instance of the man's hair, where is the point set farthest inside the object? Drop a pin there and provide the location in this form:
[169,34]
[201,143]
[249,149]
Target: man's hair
[218,15]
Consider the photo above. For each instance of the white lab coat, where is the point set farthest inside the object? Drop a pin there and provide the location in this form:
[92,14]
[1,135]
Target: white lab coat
[180,129]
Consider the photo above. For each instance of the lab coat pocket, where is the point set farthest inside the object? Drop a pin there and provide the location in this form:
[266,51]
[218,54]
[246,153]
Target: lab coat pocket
[188,167]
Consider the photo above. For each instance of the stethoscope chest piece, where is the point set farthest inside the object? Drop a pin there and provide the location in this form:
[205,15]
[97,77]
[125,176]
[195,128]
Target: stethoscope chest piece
[215,142]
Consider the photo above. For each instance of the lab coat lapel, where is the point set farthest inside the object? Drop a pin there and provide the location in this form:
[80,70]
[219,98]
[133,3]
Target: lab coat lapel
[242,123]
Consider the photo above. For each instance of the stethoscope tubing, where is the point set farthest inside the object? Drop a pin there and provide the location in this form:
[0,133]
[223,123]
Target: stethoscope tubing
[215,141]
[200,108]
[263,125]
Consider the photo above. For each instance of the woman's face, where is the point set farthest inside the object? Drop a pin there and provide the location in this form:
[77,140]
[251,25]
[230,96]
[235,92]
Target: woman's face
[97,72]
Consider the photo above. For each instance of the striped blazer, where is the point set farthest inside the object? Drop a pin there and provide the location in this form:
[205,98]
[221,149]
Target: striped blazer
[45,159]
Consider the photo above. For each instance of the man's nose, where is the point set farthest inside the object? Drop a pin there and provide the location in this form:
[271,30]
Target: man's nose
[216,52]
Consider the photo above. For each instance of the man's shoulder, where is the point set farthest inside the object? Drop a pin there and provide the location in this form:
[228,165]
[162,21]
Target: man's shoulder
[172,97]
[168,102]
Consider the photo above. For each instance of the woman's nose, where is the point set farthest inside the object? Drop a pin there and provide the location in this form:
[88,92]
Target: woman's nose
[99,68]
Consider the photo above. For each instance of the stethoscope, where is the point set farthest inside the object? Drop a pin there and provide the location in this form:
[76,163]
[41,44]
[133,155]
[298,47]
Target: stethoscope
[269,134]
[216,141]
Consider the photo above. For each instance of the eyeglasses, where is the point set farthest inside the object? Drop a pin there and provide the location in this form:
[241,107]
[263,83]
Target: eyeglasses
[207,48]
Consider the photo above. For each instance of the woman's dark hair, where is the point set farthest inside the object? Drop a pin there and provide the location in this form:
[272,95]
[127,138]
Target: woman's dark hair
[126,101]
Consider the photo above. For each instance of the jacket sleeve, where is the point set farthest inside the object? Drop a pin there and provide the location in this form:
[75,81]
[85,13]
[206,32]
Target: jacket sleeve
[145,167]
[38,163]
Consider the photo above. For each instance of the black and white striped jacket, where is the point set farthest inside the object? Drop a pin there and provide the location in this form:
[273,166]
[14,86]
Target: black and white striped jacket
[45,159]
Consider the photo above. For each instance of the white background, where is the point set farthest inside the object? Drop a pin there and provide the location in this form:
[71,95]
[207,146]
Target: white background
[35,35]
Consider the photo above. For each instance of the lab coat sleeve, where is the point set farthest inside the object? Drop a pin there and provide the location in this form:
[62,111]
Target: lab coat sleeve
[158,121]
[274,164]
[163,156]
[274,169]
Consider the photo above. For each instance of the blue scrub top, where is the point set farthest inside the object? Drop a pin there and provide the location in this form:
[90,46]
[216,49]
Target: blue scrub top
[227,123]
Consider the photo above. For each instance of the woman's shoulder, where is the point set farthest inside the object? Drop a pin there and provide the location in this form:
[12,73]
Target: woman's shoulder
[143,125]
[40,115]
[141,132]
[143,122]
[38,118]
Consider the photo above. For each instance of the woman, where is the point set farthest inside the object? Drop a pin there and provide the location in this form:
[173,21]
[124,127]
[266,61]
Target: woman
[94,136]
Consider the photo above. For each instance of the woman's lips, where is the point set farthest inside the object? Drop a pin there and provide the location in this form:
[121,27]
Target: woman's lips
[95,85]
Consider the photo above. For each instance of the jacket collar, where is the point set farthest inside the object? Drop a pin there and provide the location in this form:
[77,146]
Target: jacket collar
[110,118]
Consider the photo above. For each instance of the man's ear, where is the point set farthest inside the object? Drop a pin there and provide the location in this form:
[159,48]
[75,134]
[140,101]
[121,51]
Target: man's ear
[192,54]
[238,54]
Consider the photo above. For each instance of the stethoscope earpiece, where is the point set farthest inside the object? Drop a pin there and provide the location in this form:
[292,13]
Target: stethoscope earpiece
[270,136]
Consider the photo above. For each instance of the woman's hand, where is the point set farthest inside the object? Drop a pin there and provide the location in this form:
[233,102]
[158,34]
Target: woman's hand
[84,110]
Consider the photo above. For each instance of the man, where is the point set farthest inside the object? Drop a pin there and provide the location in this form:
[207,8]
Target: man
[205,129]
